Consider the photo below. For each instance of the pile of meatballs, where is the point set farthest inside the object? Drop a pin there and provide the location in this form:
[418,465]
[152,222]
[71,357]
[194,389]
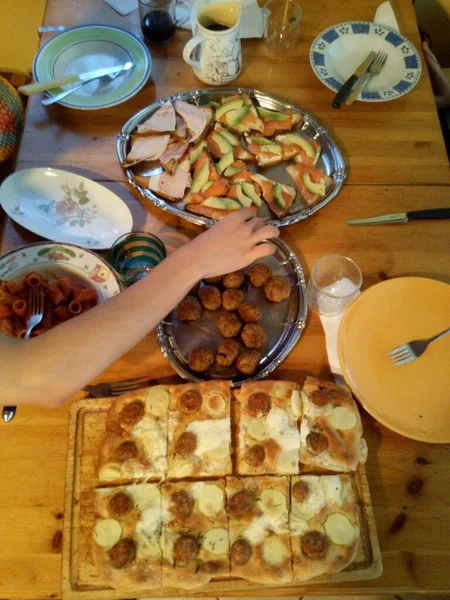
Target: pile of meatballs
[241,319]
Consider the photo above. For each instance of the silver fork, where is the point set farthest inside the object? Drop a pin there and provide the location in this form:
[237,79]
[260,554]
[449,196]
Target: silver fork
[408,352]
[375,69]
[58,97]
[116,388]
[35,314]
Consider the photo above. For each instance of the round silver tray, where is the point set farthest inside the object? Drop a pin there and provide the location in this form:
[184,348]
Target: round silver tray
[283,322]
[331,160]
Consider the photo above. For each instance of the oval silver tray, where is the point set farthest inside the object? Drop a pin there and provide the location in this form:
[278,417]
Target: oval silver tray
[331,160]
[283,322]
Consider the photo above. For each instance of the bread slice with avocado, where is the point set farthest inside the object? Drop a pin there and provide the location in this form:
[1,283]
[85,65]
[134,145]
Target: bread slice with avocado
[308,150]
[238,113]
[313,183]
[279,196]
[275,121]
[267,152]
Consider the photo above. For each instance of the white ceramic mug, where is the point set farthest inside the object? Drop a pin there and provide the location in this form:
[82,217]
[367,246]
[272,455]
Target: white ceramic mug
[217,44]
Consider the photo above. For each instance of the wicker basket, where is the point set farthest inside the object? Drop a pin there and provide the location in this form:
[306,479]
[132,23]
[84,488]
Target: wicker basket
[11,118]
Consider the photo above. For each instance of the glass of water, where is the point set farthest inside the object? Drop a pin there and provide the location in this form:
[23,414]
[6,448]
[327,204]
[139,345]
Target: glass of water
[135,254]
[281,20]
[334,283]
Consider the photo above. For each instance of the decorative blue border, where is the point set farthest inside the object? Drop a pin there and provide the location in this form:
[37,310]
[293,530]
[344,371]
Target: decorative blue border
[133,92]
[413,65]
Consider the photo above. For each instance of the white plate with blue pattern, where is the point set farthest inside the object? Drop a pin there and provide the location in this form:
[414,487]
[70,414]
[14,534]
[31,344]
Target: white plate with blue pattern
[337,52]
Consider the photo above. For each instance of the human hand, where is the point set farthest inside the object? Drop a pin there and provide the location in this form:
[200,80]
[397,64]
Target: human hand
[232,244]
[440,83]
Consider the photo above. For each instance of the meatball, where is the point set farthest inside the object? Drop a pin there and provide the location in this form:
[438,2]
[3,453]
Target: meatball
[259,274]
[227,353]
[213,279]
[210,297]
[247,362]
[233,280]
[277,289]
[249,312]
[189,309]
[232,299]
[229,325]
[201,359]
[253,336]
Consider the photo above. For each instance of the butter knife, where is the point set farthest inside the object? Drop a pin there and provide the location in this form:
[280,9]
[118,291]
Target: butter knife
[348,86]
[429,213]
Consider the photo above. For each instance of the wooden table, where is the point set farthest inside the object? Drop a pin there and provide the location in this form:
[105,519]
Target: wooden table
[396,161]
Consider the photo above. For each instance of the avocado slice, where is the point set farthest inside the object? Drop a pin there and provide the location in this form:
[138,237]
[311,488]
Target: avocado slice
[207,185]
[298,140]
[196,152]
[273,148]
[200,179]
[222,143]
[314,188]
[214,104]
[226,160]
[235,116]
[243,199]
[222,203]
[231,171]
[273,115]
[278,195]
[261,141]
[249,191]
[231,138]
[229,106]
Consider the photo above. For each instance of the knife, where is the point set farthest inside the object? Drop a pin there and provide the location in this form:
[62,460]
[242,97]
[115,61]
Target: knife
[346,89]
[42,86]
[429,213]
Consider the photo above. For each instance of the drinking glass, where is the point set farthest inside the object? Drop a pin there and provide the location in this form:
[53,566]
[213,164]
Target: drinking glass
[134,254]
[158,19]
[281,20]
[334,284]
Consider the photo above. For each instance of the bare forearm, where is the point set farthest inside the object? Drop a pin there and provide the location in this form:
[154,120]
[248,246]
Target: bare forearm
[51,368]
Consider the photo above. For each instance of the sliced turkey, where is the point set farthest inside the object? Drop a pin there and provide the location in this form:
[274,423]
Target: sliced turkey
[164,119]
[146,148]
[171,187]
[172,155]
[197,119]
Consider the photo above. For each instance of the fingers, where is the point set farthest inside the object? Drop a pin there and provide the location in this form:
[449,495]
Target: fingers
[261,251]
[244,214]
[255,224]
[265,233]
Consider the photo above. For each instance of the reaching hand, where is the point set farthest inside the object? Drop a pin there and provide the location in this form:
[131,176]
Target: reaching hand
[441,85]
[232,244]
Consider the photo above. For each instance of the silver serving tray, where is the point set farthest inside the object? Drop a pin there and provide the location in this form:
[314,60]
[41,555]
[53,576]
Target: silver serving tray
[331,160]
[283,322]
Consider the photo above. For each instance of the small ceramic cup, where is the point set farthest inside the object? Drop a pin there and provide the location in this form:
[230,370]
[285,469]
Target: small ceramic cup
[134,254]
[216,45]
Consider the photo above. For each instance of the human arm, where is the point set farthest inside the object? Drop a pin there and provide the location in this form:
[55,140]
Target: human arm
[441,85]
[50,368]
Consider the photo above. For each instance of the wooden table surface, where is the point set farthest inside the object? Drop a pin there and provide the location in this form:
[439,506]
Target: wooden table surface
[396,161]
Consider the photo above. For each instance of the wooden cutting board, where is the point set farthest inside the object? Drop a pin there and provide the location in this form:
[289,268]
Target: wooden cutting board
[79,576]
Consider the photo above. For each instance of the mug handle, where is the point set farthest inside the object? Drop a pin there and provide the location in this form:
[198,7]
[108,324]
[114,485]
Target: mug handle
[189,48]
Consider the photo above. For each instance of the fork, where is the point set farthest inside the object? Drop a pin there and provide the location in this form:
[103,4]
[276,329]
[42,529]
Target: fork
[58,97]
[35,314]
[408,352]
[116,388]
[375,69]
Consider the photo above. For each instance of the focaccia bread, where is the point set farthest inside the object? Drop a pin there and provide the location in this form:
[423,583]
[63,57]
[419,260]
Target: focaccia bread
[135,442]
[331,430]
[126,536]
[269,438]
[195,533]
[324,524]
[199,432]
[260,547]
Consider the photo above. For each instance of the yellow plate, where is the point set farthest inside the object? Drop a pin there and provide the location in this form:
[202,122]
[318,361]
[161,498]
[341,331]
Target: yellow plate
[411,399]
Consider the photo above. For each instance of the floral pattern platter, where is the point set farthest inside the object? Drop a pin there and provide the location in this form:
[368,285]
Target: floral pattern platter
[65,207]
[61,260]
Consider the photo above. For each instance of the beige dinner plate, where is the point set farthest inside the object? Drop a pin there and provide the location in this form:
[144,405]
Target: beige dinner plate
[411,399]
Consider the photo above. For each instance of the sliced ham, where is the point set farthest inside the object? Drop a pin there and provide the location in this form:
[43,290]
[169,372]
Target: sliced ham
[164,119]
[146,148]
[196,119]
[171,187]
[172,155]
[180,128]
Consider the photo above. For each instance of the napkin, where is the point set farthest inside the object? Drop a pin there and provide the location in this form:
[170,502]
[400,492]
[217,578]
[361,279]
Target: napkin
[385,16]
[331,328]
[251,19]
[123,7]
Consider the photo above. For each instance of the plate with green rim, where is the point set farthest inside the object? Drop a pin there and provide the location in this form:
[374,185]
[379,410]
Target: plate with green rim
[88,47]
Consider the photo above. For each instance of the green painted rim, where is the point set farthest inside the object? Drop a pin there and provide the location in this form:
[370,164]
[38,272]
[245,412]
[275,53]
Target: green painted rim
[132,46]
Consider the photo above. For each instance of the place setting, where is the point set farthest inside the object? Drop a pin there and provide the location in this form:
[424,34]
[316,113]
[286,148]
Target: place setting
[235,447]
